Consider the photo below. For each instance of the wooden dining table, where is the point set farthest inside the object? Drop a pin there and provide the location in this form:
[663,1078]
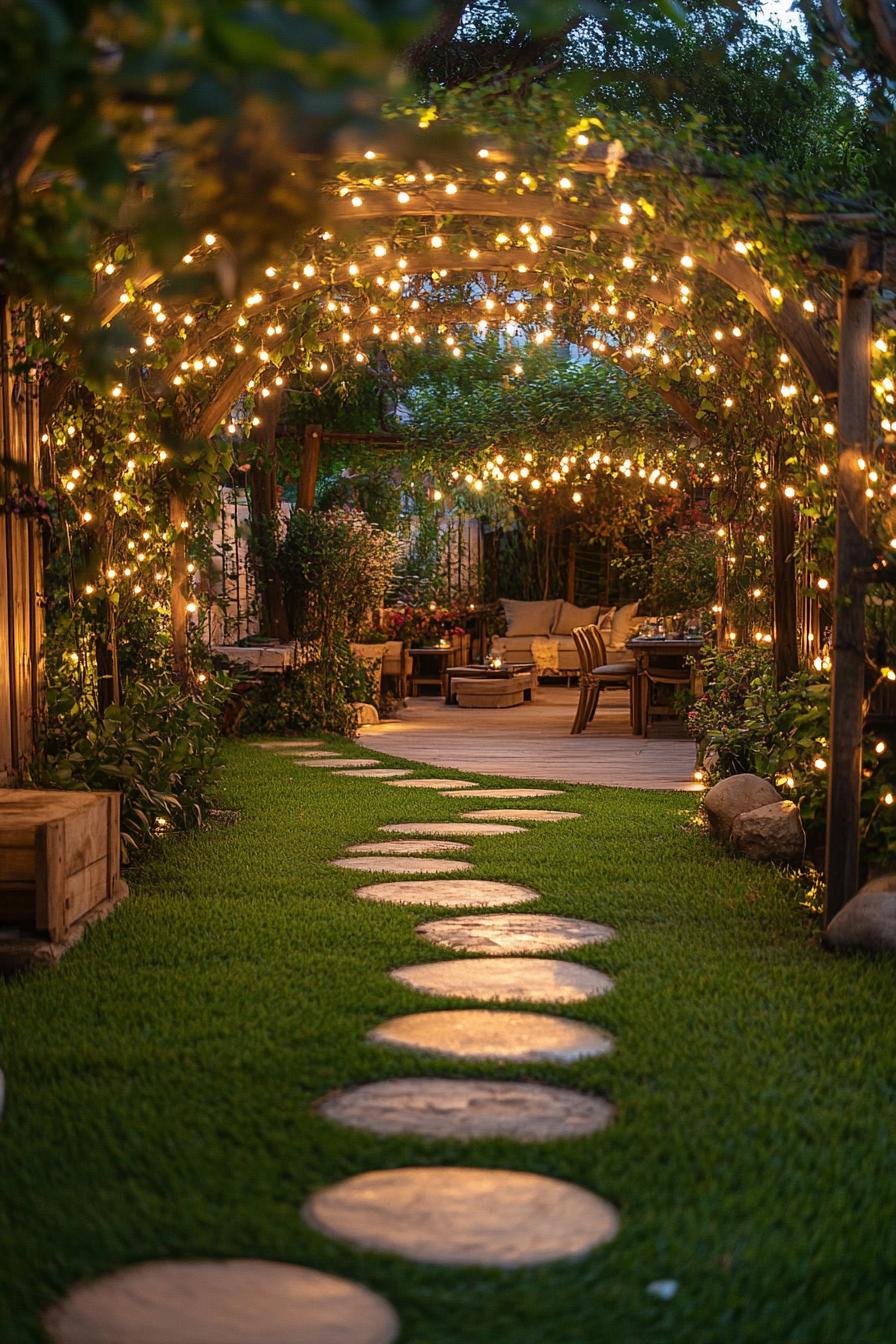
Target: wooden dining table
[663,653]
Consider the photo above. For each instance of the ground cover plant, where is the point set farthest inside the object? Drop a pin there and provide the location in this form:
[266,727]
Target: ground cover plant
[161,1082]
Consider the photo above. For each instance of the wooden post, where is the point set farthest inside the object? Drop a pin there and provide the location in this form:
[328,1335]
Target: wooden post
[265,505]
[784,580]
[722,600]
[571,566]
[848,653]
[309,468]
[21,568]
[180,649]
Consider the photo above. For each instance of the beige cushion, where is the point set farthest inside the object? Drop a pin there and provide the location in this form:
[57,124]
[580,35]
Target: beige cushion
[512,643]
[530,618]
[569,617]
[621,625]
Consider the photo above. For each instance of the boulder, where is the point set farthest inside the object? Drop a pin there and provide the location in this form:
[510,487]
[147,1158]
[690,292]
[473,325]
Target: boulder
[365,714]
[868,922]
[725,801]
[774,833]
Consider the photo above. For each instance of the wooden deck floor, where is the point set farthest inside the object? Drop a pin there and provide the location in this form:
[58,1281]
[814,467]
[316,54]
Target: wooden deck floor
[534,742]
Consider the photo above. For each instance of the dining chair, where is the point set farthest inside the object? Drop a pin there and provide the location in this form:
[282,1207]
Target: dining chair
[651,710]
[596,673]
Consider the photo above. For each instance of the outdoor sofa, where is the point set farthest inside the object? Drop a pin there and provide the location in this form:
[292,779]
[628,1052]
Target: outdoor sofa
[541,633]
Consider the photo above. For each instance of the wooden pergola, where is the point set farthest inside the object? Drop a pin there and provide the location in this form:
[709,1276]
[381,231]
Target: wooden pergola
[855,249]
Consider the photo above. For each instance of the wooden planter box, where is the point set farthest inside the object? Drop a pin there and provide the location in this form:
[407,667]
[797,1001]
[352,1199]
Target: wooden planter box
[59,856]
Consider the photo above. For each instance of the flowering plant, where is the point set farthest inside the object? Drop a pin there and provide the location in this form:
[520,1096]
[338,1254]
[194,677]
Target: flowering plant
[423,624]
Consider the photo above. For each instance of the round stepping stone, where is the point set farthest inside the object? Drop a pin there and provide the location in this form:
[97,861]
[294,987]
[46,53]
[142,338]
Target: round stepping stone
[468,1108]
[495,935]
[448,784]
[503,979]
[373,774]
[296,742]
[407,847]
[464,1216]
[295,755]
[495,1034]
[221,1302]
[459,892]
[390,863]
[508,793]
[520,814]
[341,763]
[447,828]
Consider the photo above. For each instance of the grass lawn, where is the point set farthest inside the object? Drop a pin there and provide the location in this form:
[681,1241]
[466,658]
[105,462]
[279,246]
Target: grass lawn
[160,1082]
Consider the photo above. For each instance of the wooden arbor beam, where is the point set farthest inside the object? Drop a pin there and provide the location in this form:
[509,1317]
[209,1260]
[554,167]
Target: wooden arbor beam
[235,381]
[848,653]
[800,336]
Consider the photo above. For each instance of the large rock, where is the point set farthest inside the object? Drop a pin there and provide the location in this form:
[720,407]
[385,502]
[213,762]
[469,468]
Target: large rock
[725,801]
[774,833]
[365,715]
[868,922]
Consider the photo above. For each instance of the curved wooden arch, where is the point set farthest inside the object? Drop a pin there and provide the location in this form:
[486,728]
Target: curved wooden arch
[785,318]
[235,381]
[295,293]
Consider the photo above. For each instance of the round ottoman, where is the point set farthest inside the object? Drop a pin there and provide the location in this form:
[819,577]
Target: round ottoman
[488,692]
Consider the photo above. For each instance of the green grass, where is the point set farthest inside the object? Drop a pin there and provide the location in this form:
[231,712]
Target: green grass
[161,1081]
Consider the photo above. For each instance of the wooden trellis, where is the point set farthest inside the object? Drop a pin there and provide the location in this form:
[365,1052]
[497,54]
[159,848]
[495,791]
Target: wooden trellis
[859,255]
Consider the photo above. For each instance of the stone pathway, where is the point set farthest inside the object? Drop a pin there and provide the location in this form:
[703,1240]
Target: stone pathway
[502,1036]
[459,893]
[506,979]
[464,1216]
[340,763]
[221,1302]
[407,846]
[519,814]
[468,1108]
[305,754]
[447,828]
[495,935]
[388,773]
[507,793]
[436,1215]
[281,745]
[396,863]
[456,1215]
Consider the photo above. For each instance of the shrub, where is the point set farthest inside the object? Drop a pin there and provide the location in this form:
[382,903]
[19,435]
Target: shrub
[683,571]
[335,568]
[317,697]
[158,747]
[744,723]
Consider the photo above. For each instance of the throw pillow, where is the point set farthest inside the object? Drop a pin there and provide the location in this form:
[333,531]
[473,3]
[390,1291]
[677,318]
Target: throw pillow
[529,618]
[605,621]
[569,616]
[621,625]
